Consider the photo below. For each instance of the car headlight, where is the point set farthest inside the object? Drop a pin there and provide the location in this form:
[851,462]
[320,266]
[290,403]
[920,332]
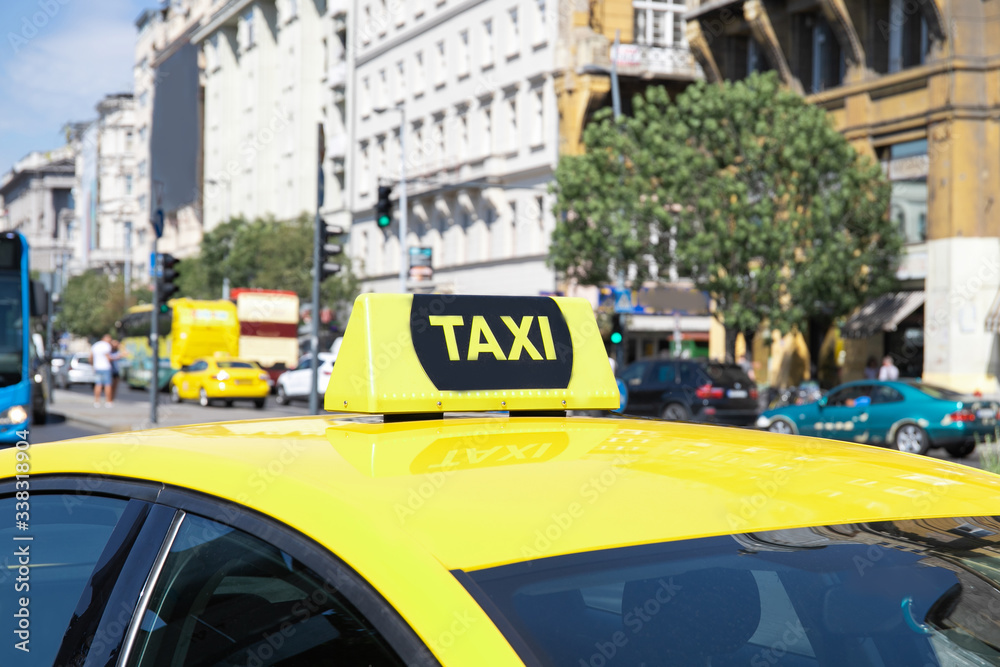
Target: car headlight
[38,378]
[222,376]
[763,422]
[14,415]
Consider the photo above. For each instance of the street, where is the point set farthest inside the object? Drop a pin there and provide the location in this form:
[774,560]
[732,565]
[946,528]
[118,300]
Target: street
[84,419]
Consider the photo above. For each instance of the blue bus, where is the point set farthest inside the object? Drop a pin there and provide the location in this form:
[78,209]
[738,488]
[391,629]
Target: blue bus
[19,299]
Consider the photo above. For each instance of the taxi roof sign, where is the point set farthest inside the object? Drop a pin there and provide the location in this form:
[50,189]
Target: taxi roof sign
[433,353]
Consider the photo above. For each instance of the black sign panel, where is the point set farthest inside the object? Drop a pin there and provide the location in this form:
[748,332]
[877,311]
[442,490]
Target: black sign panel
[467,343]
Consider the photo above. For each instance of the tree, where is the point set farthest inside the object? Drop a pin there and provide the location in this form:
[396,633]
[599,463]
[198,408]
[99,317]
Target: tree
[769,209]
[263,253]
[91,304]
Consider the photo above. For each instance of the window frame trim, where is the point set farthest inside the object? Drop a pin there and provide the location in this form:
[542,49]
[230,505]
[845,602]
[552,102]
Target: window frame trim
[384,618]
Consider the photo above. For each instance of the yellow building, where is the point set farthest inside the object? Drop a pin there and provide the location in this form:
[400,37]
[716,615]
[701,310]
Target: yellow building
[915,84]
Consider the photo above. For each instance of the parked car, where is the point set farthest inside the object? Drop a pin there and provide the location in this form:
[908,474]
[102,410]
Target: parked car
[294,384]
[906,415]
[690,390]
[76,369]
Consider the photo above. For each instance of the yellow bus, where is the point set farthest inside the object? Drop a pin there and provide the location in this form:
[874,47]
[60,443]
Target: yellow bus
[188,329]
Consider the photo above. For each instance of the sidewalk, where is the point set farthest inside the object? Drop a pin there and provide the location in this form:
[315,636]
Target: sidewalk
[134,416]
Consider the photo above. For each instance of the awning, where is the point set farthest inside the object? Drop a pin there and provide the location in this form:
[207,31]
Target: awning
[993,316]
[709,6]
[882,314]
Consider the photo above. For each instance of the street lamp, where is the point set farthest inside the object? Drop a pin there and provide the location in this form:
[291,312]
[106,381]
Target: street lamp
[404,256]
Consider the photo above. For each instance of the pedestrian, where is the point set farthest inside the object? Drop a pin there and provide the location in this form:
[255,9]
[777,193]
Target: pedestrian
[747,367]
[100,358]
[888,370]
[871,368]
[115,356]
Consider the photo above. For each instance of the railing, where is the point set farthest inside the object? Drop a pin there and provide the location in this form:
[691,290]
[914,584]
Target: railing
[663,61]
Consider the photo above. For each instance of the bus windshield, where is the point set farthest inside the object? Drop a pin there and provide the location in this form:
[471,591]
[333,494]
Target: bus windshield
[11,329]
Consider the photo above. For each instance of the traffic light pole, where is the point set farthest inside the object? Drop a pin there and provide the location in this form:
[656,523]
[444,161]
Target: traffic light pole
[317,278]
[154,335]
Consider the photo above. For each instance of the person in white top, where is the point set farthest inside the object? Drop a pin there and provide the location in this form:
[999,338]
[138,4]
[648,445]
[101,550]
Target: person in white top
[889,371]
[100,357]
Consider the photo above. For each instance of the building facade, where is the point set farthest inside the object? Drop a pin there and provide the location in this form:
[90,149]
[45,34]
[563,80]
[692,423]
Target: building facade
[913,84]
[469,90]
[36,199]
[274,73]
[107,212]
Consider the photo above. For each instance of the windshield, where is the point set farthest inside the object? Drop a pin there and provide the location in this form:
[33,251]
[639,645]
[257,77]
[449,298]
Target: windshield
[11,332]
[937,392]
[236,364]
[920,592]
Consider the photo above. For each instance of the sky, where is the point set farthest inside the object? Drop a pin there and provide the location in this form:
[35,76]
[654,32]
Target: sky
[58,58]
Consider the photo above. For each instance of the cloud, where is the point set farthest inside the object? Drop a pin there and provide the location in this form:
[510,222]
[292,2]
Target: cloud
[85,51]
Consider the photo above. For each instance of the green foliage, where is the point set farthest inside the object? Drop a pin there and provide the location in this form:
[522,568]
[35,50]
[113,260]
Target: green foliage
[91,303]
[263,253]
[771,210]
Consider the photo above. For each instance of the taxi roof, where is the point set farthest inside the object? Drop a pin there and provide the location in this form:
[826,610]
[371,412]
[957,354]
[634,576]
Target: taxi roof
[476,492]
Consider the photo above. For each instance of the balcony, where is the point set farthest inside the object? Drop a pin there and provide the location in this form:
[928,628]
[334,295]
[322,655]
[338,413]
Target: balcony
[656,62]
[338,8]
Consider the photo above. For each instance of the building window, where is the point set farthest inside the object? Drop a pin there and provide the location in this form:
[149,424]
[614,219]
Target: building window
[293,8]
[541,21]
[900,37]
[383,88]
[487,136]
[142,134]
[128,140]
[366,97]
[538,123]
[820,63]
[463,54]
[364,169]
[658,23]
[906,167]
[463,135]
[400,81]
[249,39]
[144,98]
[513,33]
[513,139]
[128,184]
[439,146]
[418,74]
[142,169]
[487,43]
[441,67]
[212,53]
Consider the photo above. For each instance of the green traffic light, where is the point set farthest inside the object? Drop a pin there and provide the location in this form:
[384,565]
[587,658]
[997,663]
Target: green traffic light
[616,337]
[164,308]
[384,220]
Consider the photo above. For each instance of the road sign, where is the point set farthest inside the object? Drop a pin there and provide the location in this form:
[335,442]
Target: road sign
[155,270]
[623,300]
[158,223]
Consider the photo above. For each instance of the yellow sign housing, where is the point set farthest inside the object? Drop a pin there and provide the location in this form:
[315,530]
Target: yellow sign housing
[432,353]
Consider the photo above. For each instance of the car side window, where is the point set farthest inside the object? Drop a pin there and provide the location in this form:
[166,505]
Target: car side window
[850,397]
[304,362]
[199,366]
[50,559]
[885,394]
[633,374]
[665,373]
[225,597]
[691,375]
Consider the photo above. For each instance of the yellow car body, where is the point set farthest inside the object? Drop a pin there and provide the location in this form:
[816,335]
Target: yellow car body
[418,519]
[225,378]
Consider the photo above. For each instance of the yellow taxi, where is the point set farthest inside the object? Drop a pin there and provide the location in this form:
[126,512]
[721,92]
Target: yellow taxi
[221,378]
[401,533]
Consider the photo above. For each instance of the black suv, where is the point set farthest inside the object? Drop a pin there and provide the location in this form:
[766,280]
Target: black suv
[690,390]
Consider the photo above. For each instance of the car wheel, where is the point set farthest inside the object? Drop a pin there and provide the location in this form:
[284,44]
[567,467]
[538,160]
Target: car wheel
[39,417]
[675,412]
[259,403]
[912,439]
[175,394]
[229,404]
[781,426]
[203,398]
[962,450]
[282,397]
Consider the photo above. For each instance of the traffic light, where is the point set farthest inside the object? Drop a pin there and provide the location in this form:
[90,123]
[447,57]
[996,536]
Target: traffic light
[331,251]
[168,274]
[616,329]
[383,210]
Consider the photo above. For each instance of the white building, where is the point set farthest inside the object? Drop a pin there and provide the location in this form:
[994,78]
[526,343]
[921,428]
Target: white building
[36,199]
[107,206]
[274,72]
[475,81]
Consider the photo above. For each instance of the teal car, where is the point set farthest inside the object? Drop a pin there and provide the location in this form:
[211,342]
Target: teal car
[906,415]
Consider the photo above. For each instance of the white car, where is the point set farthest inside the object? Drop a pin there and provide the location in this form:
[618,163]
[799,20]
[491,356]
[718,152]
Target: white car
[294,384]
